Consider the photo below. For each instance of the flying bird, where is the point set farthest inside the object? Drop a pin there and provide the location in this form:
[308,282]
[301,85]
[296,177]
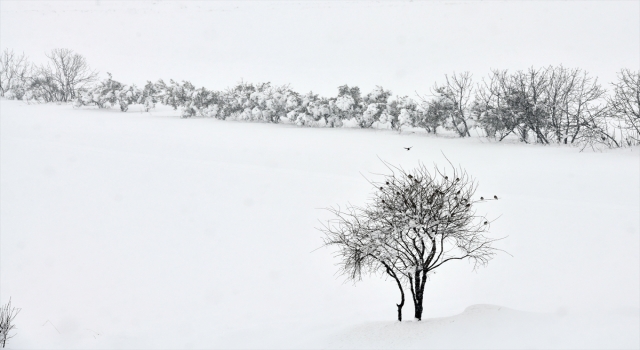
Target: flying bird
[408,148]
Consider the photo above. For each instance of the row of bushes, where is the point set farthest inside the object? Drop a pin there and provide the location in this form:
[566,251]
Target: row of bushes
[541,105]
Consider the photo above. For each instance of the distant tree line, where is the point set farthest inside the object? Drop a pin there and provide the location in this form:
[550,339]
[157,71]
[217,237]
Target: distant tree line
[540,105]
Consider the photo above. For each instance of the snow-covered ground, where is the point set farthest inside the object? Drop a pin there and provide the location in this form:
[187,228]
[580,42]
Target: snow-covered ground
[144,230]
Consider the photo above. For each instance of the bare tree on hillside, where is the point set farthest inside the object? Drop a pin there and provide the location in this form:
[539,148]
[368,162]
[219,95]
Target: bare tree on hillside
[415,222]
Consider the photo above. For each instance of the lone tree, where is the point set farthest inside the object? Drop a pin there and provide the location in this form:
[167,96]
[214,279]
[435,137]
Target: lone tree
[415,222]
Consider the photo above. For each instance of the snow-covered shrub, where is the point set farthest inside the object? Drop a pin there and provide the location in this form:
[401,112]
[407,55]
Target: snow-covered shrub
[108,93]
[313,111]
[276,104]
[348,103]
[185,96]
[127,96]
[334,122]
[304,119]
[210,111]
[10,95]
[200,99]
[235,101]
[405,117]
[345,103]
[148,96]
[370,115]
[256,113]
[401,111]
[293,102]
[374,105]
[434,114]
[171,94]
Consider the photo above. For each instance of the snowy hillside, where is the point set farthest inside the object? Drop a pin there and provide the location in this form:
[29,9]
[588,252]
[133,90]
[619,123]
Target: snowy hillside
[144,230]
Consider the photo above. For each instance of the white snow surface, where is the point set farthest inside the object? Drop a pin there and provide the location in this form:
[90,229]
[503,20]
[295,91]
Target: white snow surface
[144,230]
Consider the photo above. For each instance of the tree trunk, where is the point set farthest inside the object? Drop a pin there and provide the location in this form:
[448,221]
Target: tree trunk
[419,294]
[395,277]
[418,307]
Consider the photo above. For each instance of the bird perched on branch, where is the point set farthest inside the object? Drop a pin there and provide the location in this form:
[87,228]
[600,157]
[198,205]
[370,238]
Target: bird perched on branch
[408,148]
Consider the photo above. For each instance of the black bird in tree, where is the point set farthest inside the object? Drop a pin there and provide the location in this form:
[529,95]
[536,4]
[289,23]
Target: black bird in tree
[495,197]
[408,148]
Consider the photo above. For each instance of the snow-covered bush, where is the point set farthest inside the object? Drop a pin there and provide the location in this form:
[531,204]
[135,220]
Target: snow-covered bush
[401,112]
[237,103]
[304,119]
[435,114]
[345,103]
[10,95]
[348,103]
[109,93]
[374,106]
[148,96]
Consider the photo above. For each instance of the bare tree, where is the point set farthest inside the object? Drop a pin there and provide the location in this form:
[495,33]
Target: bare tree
[490,106]
[70,72]
[454,98]
[552,104]
[415,222]
[584,110]
[14,72]
[625,103]
[44,88]
[7,315]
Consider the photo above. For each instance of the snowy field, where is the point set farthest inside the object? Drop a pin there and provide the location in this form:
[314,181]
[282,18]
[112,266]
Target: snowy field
[144,230]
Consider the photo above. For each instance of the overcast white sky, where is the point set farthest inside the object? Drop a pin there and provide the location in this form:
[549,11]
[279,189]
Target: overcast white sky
[317,45]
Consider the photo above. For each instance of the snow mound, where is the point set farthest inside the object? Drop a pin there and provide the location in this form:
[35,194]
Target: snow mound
[497,327]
